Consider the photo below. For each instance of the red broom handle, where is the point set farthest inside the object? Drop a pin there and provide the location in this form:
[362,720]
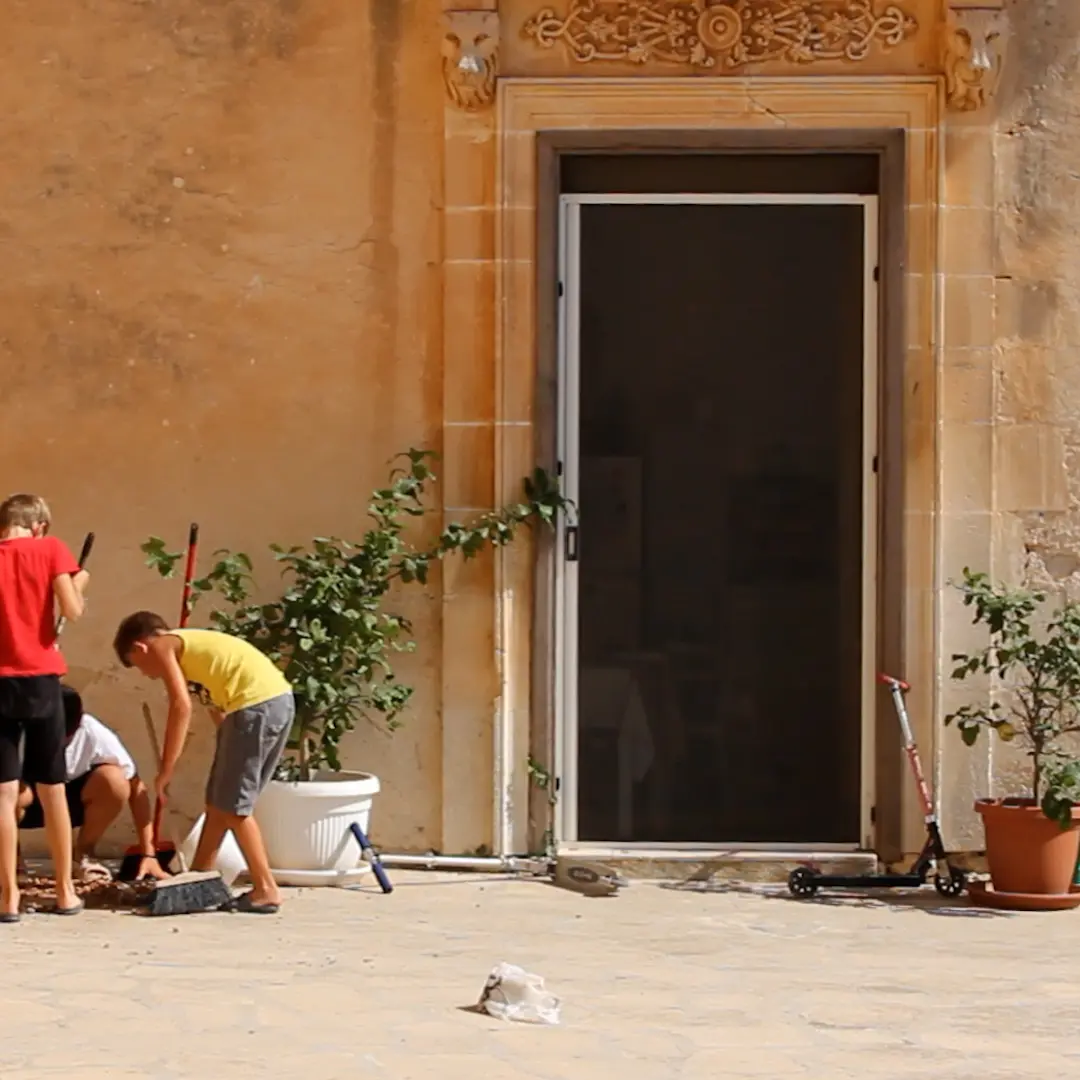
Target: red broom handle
[185,613]
[159,806]
[189,574]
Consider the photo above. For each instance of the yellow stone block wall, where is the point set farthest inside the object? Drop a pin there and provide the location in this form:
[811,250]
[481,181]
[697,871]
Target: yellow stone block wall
[222,302]
[1010,423]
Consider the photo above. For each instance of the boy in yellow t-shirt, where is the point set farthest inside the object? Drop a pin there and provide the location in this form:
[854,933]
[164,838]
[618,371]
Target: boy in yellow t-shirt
[253,707]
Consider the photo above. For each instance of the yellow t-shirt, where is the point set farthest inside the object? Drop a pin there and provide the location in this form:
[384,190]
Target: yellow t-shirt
[235,674]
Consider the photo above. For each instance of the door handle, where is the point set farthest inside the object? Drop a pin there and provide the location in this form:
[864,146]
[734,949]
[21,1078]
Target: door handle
[571,543]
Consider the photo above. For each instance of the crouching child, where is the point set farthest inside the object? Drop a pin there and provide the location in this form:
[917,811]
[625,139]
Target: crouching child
[101,781]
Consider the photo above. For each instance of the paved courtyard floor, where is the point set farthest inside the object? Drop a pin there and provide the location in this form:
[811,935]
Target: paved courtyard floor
[655,984]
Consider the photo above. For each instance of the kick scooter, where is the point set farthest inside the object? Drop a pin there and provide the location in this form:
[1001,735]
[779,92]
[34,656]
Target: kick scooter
[948,879]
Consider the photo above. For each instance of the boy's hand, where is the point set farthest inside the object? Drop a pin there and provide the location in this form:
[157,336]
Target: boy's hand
[161,786]
[149,867]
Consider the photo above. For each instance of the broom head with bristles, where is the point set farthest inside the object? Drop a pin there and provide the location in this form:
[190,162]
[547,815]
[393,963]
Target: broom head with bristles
[188,893]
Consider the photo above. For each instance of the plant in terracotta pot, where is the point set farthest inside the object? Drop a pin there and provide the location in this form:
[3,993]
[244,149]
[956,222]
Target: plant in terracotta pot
[1032,662]
[334,633]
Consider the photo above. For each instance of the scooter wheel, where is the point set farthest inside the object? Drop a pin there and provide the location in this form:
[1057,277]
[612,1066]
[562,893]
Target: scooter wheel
[802,881]
[951,886]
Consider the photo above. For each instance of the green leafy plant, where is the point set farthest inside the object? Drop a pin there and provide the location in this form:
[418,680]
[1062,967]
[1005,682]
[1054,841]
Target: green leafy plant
[541,777]
[1037,677]
[330,630]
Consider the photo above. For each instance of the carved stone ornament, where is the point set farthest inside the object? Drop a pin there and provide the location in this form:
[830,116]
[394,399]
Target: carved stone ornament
[974,47]
[470,54]
[729,33]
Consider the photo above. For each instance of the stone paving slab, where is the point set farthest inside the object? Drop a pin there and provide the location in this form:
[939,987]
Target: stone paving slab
[656,983]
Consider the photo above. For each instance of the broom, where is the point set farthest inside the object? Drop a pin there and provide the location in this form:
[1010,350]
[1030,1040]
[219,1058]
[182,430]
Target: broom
[87,547]
[163,852]
[190,890]
[368,852]
[189,574]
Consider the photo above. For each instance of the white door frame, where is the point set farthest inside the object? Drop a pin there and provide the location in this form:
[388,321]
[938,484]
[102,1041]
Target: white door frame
[566,571]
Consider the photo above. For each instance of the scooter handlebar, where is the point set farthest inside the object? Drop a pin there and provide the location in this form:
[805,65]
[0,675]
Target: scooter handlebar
[890,681]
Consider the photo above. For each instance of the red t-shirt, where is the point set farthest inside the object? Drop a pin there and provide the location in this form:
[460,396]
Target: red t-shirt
[28,568]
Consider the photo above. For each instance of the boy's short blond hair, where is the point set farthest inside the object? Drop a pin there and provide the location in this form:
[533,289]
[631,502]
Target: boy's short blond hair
[24,512]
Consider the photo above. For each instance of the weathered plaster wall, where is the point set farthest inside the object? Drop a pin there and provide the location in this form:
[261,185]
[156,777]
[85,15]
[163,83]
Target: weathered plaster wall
[221,302]
[1013,390]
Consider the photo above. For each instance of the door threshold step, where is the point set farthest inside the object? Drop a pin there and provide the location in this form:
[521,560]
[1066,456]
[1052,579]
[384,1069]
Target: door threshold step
[752,866]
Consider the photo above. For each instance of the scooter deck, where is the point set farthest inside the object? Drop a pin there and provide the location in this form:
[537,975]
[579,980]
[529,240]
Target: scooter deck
[804,881]
[869,881]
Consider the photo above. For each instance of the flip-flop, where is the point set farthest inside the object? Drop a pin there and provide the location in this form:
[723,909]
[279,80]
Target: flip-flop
[245,905]
[9,917]
[89,870]
[73,910]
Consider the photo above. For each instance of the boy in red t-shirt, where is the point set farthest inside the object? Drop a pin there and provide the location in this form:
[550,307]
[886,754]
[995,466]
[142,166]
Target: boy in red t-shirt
[38,574]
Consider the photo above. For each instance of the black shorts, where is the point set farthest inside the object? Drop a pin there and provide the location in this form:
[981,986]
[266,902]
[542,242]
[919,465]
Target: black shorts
[34,818]
[32,706]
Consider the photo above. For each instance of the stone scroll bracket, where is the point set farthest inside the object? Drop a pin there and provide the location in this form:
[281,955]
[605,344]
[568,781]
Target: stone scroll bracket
[973,51]
[470,58]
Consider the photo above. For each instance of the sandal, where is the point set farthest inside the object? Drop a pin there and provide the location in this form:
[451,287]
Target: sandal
[87,869]
[9,917]
[73,910]
[245,905]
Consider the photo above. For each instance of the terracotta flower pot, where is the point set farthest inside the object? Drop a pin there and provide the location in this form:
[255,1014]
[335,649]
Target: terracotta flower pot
[1027,852]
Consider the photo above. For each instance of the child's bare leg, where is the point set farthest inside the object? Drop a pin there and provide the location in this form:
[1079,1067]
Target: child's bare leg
[215,826]
[104,794]
[248,835]
[9,843]
[264,889]
[58,831]
[26,797]
[141,815]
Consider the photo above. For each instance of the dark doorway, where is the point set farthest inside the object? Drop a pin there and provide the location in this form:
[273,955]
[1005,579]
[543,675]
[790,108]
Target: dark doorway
[720,369]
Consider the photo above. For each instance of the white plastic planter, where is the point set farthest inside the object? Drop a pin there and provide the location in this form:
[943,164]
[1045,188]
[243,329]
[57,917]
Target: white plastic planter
[230,862]
[305,824]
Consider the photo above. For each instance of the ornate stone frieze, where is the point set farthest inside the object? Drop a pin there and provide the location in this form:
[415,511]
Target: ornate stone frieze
[721,33]
[974,46]
[470,55]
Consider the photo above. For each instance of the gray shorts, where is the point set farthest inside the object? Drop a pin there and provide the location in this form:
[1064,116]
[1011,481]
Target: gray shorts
[250,743]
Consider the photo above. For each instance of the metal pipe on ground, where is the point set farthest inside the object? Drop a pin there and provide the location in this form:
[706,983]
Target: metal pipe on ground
[531,864]
[491,864]
[590,879]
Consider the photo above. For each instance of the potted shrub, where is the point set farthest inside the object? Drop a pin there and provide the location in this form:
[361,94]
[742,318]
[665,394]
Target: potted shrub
[334,636]
[1032,662]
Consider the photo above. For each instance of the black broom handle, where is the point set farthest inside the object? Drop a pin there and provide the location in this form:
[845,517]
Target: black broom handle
[87,547]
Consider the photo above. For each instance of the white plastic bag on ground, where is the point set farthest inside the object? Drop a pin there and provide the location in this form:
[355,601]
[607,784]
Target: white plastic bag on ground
[512,993]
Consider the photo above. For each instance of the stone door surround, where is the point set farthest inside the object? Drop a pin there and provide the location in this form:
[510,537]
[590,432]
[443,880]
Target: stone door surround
[498,387]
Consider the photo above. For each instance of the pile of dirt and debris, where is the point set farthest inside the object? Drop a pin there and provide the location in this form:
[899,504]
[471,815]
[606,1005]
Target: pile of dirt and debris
[37,893]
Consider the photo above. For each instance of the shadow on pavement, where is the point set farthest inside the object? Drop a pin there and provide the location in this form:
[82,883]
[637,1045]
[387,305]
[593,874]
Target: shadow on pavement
[926,900]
